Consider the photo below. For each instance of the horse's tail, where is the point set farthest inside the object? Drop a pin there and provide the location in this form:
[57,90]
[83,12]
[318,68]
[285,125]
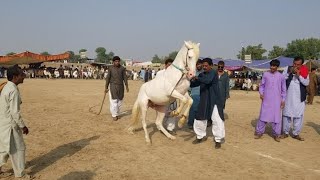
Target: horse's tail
[134,116]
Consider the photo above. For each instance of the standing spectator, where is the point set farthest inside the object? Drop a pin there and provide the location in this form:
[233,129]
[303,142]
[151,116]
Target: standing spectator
[116,78]
[272,93]
[312,87]
[12,126]
[296,82]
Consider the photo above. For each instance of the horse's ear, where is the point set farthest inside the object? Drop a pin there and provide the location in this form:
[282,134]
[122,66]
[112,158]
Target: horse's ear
[188,45]
[198,44]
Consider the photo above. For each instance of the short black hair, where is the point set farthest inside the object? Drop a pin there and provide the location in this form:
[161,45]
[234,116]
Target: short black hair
[199,61]
[13,71]
[116,58]
[298,58]
[168,61]
[221,63]
[207,60]
[275,62]
[313,69]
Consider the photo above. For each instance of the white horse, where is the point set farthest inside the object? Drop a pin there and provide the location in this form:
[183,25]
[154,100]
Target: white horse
[164,89]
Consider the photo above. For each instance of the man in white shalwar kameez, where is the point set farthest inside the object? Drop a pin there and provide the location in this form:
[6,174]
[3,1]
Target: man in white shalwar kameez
[11,124]
[295,100]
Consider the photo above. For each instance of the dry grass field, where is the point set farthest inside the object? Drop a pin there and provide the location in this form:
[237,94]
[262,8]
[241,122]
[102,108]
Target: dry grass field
[68,142]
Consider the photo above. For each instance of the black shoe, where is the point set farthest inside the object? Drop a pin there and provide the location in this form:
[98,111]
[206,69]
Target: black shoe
[218,145]
[198,141]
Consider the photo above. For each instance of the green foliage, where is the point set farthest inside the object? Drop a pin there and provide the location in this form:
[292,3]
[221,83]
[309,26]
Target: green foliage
[276,52]
[156,59]
[306,48]
[102,56]
[45,53]
[82,50]
[11,53]
[255,51]
[172,55]
[73,58]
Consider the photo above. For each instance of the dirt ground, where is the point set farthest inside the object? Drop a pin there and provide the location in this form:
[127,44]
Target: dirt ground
[68,142]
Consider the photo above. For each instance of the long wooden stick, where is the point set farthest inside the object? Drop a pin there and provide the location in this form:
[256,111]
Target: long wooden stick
[104,97]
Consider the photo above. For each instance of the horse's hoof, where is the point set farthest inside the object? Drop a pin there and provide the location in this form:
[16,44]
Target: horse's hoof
[172,137]
[148,141]
[181,122]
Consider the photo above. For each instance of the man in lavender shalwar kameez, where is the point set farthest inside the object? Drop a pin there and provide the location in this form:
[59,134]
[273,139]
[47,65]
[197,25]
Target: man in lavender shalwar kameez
[273,93]
[295,101]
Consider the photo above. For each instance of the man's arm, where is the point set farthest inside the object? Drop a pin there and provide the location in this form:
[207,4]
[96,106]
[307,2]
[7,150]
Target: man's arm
[125,79]
[15,110]
[304,81]
[283,89]
[206,78]
[228,87]
[262,86]
[108,80]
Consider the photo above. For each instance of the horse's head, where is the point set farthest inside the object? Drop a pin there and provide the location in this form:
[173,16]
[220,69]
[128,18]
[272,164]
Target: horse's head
[187,58]
[192,57]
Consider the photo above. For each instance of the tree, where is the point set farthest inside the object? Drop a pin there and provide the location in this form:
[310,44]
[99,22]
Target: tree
[255,51]
[110,56]
[77,58]
[82,50]
[276,52]
[73,58]
[45,53]
[156,59]
[11,53]
[101,55]
[241,53]
[172,55]
[305,48]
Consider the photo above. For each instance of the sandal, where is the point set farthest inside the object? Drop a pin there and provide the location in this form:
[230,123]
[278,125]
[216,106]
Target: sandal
[298,138]
[283,136]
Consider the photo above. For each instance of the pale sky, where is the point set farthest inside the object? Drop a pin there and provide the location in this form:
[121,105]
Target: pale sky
[139,29]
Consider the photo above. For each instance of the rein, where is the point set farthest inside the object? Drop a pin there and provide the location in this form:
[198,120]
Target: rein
[183,71]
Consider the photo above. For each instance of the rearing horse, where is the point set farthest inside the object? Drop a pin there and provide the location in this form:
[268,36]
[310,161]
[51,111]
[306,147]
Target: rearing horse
[164,89]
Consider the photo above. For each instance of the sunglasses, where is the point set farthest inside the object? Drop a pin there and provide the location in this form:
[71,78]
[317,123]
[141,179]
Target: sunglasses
[220,67]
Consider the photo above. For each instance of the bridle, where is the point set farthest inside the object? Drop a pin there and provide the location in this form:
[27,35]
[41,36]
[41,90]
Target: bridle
[183,71]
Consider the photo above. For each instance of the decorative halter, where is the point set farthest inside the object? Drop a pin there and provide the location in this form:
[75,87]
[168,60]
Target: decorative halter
[183,71]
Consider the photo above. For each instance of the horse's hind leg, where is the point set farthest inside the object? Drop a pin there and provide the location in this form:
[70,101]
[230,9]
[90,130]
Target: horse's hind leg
[183,101]
[159,122]
[144,124]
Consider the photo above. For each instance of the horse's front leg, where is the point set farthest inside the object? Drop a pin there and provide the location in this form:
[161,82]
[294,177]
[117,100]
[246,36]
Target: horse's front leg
[183,101]
[185,114]
[159,121]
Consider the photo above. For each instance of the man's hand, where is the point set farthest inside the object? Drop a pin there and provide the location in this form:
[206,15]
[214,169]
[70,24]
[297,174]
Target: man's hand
[261,96]
[282,104]
[106,91]
[25,130]
[297,71]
